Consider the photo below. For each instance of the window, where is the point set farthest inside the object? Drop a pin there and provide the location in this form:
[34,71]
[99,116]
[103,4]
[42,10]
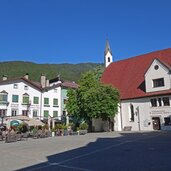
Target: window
[156,67]
[35,113]
[14,112]
[25,112]
[15,86]
[46,113]
[158,82]
[166,101]
[55,102]
[46,101]
[108,59]
[25,99]
[167,121]
[153,102]
[25,87]
[3,112]
[15,98]
[55,114]
[36,100]
[159,101]
[3,97]
[132,113]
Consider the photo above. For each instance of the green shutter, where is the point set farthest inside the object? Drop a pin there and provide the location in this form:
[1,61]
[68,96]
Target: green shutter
[46,101]
[55,114]
[55,102]
[15,98]
[46,113]
[25,99]
[36,100]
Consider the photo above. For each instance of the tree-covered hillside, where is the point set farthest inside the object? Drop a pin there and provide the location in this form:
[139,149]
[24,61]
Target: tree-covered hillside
[70,72]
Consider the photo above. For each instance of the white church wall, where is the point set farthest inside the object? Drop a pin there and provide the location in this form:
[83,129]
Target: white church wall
[144,114]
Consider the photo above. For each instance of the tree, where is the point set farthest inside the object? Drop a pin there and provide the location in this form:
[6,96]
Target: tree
[109,98]
[92,99]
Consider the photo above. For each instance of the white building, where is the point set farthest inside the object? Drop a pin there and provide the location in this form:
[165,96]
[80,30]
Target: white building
[144,83]
[22,96]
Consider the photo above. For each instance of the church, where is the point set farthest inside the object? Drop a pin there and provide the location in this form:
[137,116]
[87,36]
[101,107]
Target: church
[144,83]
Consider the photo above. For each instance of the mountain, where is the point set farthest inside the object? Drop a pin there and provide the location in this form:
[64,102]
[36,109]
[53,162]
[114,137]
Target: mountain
[66,71]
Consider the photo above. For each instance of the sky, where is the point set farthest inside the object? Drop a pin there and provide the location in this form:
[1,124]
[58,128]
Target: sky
[75,31]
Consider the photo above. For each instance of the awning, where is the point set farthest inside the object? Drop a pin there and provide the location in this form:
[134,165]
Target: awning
[23,118]
[33,122]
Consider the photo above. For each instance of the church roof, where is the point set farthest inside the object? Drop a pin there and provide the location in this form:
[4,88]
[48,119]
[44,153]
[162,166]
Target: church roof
[128,75]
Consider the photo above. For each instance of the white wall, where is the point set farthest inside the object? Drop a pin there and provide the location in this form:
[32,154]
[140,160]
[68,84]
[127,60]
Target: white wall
[51,94]
[152,73]
[32,92]
[146,112]
[9,88]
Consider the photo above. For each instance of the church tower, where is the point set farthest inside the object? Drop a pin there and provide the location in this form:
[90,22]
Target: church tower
[107,55]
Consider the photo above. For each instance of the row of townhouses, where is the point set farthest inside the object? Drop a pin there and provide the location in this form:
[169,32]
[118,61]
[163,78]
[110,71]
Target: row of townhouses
[39,100]
[144,83]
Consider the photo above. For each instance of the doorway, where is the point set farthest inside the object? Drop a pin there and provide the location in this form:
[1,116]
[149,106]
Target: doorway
[156,123]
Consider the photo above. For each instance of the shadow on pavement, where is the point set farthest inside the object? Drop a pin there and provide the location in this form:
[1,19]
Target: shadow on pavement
[148,151]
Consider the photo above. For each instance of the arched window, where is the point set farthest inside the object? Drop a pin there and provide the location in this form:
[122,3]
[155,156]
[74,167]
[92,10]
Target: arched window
[25,98]
[108,59]
[132,112]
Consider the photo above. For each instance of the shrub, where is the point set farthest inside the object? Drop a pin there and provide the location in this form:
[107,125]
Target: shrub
[71,125]
[22,128]
[58,126]
[83,126]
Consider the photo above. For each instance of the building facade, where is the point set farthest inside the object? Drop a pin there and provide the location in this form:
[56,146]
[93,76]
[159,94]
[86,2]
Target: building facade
[144,83]
[22,96]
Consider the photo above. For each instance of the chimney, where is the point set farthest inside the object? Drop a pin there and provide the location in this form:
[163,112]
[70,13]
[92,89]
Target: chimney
[26,76]
[4,77]
[43,80]
[47,83]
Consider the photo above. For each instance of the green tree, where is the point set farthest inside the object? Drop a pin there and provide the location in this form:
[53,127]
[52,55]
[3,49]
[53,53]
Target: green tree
[92,99]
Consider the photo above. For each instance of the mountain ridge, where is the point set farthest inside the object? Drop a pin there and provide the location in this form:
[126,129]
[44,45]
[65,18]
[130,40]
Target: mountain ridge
[67,71]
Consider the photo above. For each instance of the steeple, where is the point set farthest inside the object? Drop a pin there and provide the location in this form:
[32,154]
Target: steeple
[107,54]
[107,49]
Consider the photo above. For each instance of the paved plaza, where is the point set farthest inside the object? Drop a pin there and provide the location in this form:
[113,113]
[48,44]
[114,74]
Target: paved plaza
[125,151]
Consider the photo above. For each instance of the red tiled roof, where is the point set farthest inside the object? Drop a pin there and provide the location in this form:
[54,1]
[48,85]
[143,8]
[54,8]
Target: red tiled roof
[128,75]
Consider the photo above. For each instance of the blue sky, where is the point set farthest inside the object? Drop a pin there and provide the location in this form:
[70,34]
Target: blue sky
[75,31]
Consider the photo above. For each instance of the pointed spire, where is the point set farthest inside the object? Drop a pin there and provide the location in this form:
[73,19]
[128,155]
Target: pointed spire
[107,49]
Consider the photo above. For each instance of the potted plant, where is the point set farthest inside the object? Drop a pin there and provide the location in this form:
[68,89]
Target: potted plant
[83,128]
[64,129]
